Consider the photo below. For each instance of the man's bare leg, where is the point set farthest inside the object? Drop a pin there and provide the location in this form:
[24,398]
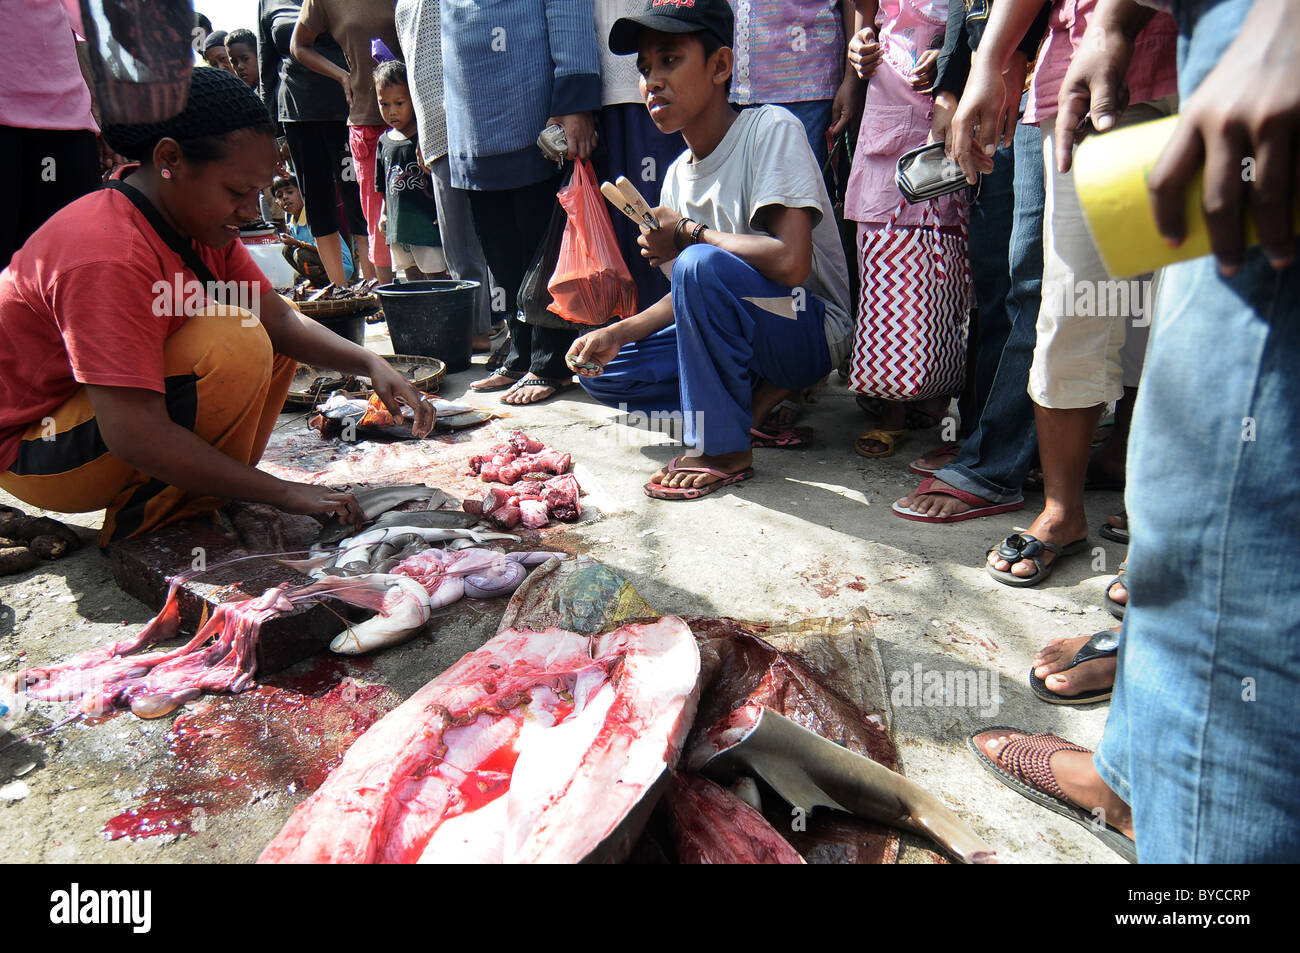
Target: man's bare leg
[1064,438]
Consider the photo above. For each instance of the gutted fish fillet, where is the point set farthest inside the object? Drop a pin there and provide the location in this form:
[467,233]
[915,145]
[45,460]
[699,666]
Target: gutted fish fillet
[535,748]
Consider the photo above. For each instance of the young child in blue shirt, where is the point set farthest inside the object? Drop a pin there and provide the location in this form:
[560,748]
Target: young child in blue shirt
[299,245]
[410,214]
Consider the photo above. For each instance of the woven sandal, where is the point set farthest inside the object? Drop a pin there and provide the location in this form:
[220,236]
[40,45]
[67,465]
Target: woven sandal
[1103,644]
[1024,765]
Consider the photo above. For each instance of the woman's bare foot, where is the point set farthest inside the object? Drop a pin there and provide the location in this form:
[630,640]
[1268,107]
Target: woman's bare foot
[495,382]
[480,343]
[1078,778]
[1051,527]
[1052,665]
[726,462]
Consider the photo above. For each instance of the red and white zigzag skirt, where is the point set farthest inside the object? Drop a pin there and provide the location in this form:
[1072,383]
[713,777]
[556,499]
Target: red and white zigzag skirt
[913,312]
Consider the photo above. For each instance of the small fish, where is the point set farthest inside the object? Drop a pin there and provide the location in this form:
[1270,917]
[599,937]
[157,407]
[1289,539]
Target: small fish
[378,500]
[403,610]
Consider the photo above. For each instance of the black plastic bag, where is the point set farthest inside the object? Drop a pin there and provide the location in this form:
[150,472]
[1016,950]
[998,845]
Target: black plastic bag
[141,56]
[534,299]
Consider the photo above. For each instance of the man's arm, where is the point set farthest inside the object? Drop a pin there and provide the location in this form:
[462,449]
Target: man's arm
[784,255]
[847,104]
[575,91]
[599,347]
[310,25]
[978,124]
[1094,84]
[1247,107]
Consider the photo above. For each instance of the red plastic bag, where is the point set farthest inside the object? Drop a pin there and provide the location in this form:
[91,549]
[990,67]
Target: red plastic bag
[591,284]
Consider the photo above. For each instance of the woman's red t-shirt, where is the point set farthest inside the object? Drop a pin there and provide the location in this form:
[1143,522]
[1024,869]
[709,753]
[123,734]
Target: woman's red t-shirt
[90,299]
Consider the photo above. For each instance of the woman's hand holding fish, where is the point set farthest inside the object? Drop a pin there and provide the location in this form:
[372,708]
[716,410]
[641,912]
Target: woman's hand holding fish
[394,390]
[309,500]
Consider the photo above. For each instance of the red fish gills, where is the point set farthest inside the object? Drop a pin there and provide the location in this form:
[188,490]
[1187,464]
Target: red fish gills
[532,749]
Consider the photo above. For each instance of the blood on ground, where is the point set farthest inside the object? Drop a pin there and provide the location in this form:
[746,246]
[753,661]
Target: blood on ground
[236,750]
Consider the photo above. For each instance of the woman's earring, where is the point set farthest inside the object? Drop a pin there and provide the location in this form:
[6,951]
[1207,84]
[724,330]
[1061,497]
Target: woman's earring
[166,173]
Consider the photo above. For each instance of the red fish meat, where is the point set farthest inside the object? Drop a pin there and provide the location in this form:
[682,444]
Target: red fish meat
[521,455]
[530,503]
[535,748]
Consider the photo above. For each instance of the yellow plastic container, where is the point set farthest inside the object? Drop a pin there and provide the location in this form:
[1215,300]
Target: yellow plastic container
[1110,174]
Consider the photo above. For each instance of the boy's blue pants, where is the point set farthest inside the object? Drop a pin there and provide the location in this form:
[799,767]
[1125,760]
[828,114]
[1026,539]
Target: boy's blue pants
[732,327]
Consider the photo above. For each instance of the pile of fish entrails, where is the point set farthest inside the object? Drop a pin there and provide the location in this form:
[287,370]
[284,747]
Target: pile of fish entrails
[395,569]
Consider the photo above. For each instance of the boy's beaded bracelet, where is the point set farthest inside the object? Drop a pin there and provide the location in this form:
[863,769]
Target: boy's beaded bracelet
[698,231]
[677,232]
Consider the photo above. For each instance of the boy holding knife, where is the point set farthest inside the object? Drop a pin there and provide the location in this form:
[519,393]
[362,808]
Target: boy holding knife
[760,289]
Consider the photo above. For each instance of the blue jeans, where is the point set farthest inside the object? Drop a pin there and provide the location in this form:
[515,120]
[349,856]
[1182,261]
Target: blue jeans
[991,217]
[816,118]
[1203,734]
[995,458]
[731,325]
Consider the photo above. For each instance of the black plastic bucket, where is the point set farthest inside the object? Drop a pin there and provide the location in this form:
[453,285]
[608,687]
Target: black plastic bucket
[432,319]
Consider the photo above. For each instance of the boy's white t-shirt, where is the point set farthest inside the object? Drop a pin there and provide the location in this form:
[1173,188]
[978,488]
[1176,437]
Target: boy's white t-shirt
[762,161]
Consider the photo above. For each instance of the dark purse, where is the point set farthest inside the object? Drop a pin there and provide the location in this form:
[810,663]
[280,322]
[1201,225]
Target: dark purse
[926,173]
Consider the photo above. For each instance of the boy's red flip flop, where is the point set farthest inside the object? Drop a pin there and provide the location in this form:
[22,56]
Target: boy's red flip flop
[659,492]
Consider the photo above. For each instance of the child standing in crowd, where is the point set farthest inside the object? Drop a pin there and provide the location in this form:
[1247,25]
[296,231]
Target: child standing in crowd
[214,51]
[792,53]
[354,24]
[410,215]
[760,290]
[241,50]
[299,246]
[896,118]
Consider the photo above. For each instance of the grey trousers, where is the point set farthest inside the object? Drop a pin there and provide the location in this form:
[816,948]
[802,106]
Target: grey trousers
[460,243]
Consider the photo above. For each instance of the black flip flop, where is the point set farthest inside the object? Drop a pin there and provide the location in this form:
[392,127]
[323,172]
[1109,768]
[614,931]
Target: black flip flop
[556,388]
[1020,546]
[1117,609]
[1103,832]
[1103,644]
[1115,534]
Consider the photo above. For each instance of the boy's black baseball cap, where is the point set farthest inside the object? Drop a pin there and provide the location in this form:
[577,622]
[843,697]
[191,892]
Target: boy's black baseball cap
[674,16]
